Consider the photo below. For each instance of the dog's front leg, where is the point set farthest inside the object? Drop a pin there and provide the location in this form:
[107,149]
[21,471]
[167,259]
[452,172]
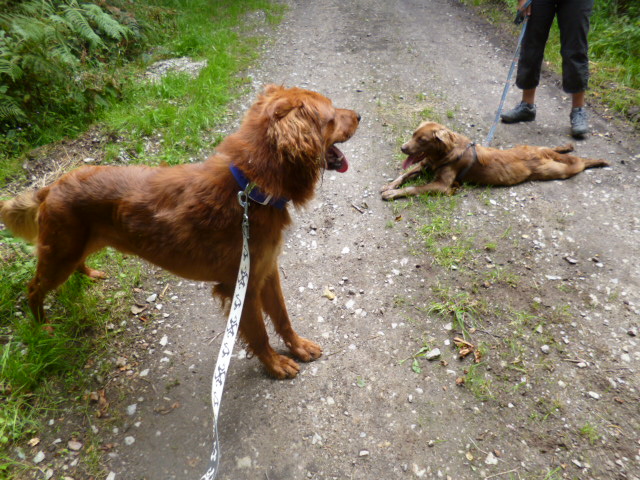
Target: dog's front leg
[441,184]
[274,306]
[254,333]
[412,172]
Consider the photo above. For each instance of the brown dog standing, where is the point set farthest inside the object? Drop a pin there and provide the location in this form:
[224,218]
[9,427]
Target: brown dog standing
[455,159]
[187,218]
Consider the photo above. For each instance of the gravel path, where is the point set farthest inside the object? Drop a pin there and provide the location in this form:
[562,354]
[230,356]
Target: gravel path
[556,395]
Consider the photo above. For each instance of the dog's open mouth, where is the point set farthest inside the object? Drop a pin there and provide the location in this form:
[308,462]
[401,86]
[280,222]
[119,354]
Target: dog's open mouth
[412,159]
[335,160]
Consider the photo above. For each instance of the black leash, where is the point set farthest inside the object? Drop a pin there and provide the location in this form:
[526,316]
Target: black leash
[521,17]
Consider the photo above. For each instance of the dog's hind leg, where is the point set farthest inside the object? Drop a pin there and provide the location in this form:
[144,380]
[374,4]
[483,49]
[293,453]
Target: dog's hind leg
[564,148]
[62,244]
[274,305]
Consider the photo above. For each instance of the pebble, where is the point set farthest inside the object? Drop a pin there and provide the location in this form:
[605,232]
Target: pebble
[363,453]
[74,445]
[164,340]
[131,409]
[111,476]
[491,459]
[433,354]
[632,332]
[129,441]
[152,298]
[38,457]
[144,372]
[594,395]
[545,349]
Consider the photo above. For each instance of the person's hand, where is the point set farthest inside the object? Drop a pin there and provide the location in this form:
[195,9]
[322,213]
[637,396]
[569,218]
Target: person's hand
[527,12]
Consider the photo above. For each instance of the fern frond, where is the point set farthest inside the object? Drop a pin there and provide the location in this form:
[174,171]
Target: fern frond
[73,13]
[9,110]
[105,22]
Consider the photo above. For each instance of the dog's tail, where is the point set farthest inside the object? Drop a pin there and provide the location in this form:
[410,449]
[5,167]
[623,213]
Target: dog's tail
[20,215]
[594,163]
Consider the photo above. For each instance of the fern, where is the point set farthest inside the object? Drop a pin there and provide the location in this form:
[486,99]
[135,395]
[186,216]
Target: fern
[74,14]
[106,23]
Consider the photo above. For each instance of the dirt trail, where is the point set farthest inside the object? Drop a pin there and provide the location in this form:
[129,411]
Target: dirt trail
[358,412]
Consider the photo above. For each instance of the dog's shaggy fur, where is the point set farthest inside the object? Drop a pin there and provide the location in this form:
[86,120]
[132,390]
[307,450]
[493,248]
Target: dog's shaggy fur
[451,157]
[187,218]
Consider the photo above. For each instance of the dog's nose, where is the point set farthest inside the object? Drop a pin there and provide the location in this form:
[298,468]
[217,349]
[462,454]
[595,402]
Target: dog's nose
[404,149]
[358,116]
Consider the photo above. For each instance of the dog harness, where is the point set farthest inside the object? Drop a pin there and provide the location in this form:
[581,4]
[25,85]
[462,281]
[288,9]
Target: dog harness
[255,193]
[465,170]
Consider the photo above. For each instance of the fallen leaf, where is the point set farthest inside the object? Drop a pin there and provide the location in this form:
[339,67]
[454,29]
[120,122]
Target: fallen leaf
[33,442]
[328,293]
[460,381]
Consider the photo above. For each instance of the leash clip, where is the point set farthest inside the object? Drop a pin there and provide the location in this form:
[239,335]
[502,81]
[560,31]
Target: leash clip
[243,200]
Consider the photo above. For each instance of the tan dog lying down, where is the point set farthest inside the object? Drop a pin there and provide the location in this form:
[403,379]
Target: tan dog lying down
[454,158]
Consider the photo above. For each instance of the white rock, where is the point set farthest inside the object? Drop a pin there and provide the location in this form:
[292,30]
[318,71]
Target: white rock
[129,441]
[545,349]
[74,445]
[433,354]
[152,298]
[131,409]
[38,457]
[594,395]
[144,372]
[164,340]
[111,476]
[491,459]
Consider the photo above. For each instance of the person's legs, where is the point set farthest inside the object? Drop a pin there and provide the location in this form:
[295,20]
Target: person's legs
[530,61]
[573,21]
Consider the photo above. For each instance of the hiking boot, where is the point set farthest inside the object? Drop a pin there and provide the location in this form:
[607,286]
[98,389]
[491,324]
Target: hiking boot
[579,122]
[524,112]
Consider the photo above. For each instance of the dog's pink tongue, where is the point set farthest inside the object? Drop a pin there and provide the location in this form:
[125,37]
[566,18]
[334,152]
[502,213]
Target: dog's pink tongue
[411,159]
[345,165]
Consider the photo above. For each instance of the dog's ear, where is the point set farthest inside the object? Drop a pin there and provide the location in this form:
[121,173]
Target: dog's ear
[271,88]
[281,107]
[293,129]
[446,137]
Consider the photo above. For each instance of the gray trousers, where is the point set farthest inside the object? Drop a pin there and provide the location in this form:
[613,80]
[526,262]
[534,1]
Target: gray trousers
[573,21]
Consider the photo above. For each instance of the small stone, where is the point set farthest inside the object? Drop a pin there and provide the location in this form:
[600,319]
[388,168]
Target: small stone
[243,463]
[74,445]
[625,357]
[121,362]
[363,453]
[433,354]
[129,441]
[632,332]
[164,340]
[131,409]
[491,459]
[39,457]
[594,395]
[152,298]
[89,160]
[111,476]
[144,372]
[545,349]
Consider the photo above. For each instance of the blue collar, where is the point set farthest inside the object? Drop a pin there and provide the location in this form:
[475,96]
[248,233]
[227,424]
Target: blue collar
[256,194]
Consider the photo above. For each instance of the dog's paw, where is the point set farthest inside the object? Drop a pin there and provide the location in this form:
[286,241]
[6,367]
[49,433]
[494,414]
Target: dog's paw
[389,194]
[305,350]
[282,367]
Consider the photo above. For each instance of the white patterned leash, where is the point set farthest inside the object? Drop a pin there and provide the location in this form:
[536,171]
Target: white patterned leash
[230,334]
